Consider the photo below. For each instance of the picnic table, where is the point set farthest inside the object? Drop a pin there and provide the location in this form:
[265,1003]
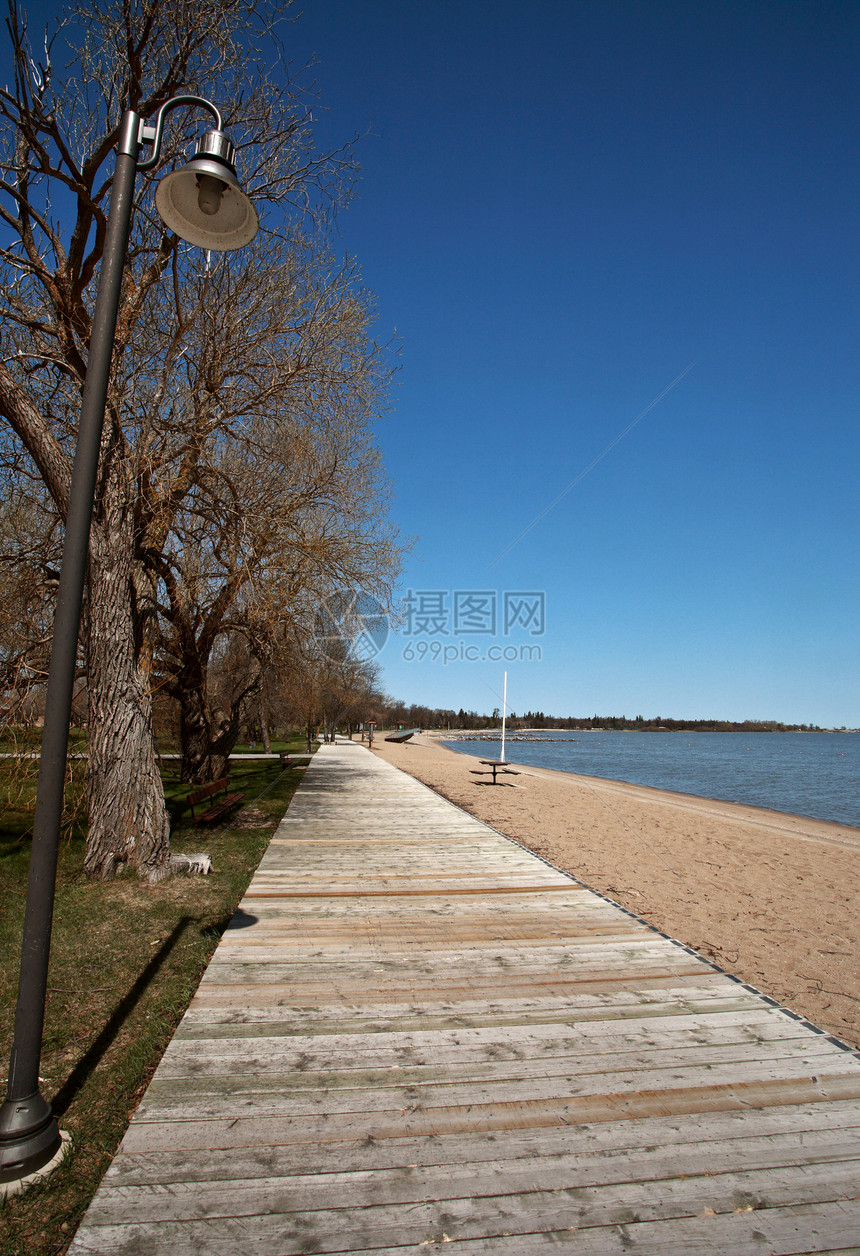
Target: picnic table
[496,766]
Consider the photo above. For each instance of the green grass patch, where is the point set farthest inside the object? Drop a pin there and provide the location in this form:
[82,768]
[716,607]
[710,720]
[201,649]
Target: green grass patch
[278,745]
[126,958]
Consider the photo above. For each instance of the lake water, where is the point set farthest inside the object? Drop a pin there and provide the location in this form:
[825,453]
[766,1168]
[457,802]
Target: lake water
[807,774]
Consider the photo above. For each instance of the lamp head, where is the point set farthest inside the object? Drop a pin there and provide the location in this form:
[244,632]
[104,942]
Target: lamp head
[203,202]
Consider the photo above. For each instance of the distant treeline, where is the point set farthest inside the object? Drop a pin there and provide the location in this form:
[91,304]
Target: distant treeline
[426,717]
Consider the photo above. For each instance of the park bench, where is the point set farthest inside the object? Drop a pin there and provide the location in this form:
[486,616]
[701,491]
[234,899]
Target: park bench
[219,807]
[290,761]
[495,766]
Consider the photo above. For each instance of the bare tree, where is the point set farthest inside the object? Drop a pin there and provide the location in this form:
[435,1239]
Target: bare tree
[348,692]
[278,390]
[56,142]
[29,557]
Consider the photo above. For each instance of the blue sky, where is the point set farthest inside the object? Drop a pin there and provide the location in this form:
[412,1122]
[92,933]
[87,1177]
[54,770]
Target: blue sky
[563,207]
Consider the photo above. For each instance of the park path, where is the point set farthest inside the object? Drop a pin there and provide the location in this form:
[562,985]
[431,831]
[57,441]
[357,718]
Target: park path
[414,1032]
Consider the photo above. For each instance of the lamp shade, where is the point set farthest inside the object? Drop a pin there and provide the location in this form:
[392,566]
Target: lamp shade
[203,202]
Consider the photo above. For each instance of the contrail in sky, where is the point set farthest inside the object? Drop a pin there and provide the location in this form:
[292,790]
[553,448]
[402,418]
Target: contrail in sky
[593,463]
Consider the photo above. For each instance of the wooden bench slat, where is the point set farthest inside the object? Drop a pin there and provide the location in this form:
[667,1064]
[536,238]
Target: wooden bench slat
[204,792]
[219,808]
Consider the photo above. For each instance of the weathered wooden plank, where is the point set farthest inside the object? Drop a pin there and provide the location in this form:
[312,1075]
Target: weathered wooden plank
[332,947]
[786,1130]
[431,1014]
[574,1196]
[357,1229]
[559,1095]
[474,968]
[601,1008]
[177,1127]
[523,1042]
[793,1231]
[387,996]
[484,887]
[258,1073]
[603,1153]
[465,1047]
[427,910]
[587,961]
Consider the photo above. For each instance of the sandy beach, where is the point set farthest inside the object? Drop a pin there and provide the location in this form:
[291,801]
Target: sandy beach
[771,898]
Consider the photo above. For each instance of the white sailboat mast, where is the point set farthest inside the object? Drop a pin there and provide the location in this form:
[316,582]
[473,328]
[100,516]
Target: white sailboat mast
[504,713]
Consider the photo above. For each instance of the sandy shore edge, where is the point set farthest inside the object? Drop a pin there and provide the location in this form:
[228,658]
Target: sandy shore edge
[770,897]
[806,828]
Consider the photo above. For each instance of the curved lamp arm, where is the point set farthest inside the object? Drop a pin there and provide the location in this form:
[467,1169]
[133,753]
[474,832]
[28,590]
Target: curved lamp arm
[202,202]
[153,134]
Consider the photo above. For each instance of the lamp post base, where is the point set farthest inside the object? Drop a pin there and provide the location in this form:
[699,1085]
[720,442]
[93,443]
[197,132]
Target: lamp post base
[8,1189]
[29,1138]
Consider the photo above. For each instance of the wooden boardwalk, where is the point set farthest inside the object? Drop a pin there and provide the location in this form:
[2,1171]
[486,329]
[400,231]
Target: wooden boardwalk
[414,1032]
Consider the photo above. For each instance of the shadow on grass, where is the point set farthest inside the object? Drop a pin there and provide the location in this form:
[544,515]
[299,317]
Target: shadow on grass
[88,1062]
[177,810]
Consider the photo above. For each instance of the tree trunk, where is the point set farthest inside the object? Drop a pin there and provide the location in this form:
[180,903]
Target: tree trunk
[222,745]
[194,732]
[128,821]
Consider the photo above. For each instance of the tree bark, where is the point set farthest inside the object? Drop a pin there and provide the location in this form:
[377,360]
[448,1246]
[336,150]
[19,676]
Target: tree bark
[194,731]
[222,745]
[128,820]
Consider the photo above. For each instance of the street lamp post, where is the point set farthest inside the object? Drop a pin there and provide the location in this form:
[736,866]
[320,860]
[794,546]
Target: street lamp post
[203,204]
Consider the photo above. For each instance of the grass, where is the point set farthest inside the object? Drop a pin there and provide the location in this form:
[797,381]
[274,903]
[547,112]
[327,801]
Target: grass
[299,746]
[126,959]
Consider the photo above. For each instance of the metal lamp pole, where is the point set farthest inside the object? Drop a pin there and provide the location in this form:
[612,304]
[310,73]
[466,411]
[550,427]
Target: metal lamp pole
[203,204]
